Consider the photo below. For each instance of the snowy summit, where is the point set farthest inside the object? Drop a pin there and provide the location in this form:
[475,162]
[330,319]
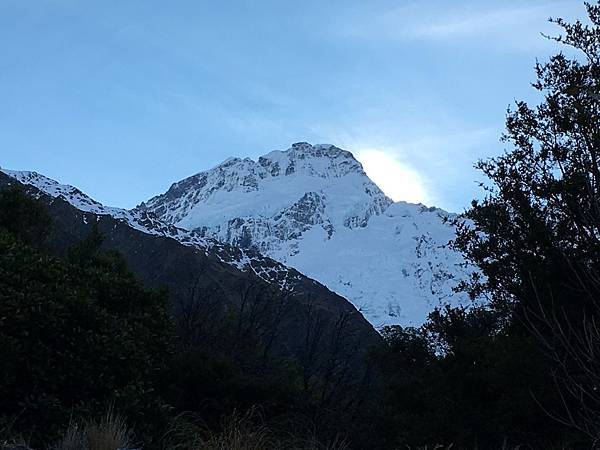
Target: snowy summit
[312,207]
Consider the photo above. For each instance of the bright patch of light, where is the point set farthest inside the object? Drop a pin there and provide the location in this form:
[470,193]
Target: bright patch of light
[397,180]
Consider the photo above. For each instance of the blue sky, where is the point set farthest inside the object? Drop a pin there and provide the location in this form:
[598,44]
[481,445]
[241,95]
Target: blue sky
[122,98]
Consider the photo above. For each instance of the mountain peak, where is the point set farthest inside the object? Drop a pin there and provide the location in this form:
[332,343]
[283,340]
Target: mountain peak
[314,208]
[245,187]
[302,150]
[318,150]
[320,160]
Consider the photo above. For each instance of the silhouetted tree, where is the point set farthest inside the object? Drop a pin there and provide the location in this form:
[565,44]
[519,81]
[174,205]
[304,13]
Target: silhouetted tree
[536,235]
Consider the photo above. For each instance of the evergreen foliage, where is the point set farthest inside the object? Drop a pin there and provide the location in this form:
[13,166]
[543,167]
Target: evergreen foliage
[536,235]
[454,381]
[74,337]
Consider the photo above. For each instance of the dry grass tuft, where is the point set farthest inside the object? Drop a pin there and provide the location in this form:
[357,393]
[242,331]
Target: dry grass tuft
[110,433]
[74,438]
[239,432]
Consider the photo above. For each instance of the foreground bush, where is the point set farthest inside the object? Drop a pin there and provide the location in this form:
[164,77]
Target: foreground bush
[75,334]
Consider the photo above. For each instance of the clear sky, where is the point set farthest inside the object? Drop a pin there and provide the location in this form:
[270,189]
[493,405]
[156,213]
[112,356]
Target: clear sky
[122,98]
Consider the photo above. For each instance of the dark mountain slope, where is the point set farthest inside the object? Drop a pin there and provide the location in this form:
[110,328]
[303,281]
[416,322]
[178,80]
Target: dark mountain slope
[321,331]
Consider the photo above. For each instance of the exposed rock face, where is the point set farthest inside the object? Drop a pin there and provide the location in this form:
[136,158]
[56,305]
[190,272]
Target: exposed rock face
[314,208]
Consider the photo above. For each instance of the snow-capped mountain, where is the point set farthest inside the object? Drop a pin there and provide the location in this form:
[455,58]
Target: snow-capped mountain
[314,208]
[243,259]
[206,280]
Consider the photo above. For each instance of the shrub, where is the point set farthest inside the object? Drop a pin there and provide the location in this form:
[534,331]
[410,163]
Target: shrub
[75,335]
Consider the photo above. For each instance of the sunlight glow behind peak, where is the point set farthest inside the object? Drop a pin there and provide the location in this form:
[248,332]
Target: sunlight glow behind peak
[397,180]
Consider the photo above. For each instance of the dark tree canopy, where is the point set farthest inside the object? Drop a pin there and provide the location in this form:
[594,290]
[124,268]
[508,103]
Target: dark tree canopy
[73,337]
[536,234]
[540,221]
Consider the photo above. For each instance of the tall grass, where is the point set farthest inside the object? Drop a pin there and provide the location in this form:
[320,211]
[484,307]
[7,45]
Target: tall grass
[109,433]
[246,431]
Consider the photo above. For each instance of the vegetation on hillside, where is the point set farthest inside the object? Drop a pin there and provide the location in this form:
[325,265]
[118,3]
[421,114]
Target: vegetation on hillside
[80,335]
[76,333]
